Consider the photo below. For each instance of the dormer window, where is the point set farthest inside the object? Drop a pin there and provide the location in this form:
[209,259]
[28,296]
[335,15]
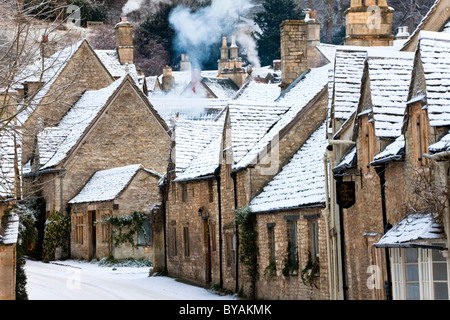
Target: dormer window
[419,135]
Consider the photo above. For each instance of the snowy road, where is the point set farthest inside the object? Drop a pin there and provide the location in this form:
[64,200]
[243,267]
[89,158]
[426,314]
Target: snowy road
[75,280]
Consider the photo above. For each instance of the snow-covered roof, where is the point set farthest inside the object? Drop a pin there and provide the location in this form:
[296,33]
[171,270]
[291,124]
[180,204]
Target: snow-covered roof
[413,228]
[389,76]
[296,98]
[10,233]
[393,152]
[55,143]
[301,182]
[442,145]
[347,161]
[169,107]
[110,60]
[434,49]
[258,91]
[348,71]
[191,139]
[106,185]
[7,161]
[221,88]
[49,72]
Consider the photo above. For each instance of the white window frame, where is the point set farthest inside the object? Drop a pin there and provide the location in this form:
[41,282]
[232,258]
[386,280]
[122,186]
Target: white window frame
[425,270]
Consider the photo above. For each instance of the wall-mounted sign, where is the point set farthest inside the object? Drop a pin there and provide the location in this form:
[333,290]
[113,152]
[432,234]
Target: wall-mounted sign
[345,193]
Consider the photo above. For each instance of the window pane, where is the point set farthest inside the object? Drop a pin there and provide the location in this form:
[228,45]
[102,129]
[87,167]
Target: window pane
[441,291]
[411,255]
[412,272]
[440,271]
[412,291]
[437,256]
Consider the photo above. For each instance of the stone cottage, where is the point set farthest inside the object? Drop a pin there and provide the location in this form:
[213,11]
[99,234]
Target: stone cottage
[118,192]
[107,128]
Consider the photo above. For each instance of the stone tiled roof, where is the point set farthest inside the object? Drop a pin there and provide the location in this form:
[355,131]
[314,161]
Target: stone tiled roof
[413,228]
[348,71]
[301,182]
[106,185]
[389,76]
[10,233]
[7,161]
[55,143]
[434,50]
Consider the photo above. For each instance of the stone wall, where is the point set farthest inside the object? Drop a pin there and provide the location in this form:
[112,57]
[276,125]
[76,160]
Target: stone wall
[273,283]
[7,272]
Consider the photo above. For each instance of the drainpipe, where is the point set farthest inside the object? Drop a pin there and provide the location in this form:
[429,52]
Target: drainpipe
[61,174]
[234,177]
[342,240]
[326,215]
[388,283]
[219,201]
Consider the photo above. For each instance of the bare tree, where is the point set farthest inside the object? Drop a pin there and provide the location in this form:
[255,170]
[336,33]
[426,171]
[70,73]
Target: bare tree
[27,41]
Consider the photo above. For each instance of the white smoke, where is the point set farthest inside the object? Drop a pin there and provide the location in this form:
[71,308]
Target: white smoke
[130,6]
[248,45]
[197,31]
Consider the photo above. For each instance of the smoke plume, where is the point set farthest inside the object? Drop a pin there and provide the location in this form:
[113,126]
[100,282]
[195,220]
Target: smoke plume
[196,32]
[131,5]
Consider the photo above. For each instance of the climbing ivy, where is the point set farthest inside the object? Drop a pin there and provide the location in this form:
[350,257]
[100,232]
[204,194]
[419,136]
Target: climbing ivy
[248,247]
[311,271]
[124,229]
[56,234]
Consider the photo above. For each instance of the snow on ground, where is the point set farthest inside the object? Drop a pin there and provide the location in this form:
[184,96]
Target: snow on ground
[78,280]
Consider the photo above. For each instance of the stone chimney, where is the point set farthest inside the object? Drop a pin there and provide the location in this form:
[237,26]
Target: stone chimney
[294,60]
[369,23]
[185,64]
[48,48]
[402,33]
[124,41]
[231,67]
[224,56]
[168,81]
[234,49]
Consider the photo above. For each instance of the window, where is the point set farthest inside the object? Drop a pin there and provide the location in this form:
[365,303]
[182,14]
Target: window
[292,245]
[145,233]
[185,193]
[271,238]
[212,230]
[173,242]
[419,273]
[105,227]
[231,249]
[79,228]
[314,235]
[211,190]
[186,241]
[419,136]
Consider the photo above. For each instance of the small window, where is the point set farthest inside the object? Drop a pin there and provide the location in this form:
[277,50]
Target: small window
[314,234]
[271,238]
[145,233]
[79,228]
[293,245]
[211,190]
[105,227]
[185,193]
[173,242]
[231,249]
[212,230]
[186,241]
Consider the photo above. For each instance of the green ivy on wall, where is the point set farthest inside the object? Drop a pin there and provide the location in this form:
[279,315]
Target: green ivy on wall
[124,229]
[56,234]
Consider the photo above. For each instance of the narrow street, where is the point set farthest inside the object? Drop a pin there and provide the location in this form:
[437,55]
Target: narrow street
[75,280]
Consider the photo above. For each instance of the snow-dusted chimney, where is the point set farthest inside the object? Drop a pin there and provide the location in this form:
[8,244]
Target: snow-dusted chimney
[124,41]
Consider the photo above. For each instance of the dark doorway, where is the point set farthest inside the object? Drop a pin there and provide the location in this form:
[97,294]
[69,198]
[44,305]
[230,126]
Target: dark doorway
[93,218]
